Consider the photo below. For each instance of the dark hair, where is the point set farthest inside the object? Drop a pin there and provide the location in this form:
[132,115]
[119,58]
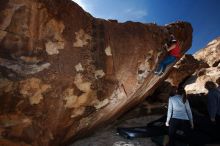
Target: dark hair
[173,91]
[171,40]
[181,91]
[209,85]
[172,37]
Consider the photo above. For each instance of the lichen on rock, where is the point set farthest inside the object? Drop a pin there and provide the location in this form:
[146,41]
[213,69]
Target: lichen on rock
[86,98]
[108,51]
[79,67]
[52,48]
[33,89]
[101,104]
[99,74]
[145,67]
[78,112]
[82,39]
[70,98]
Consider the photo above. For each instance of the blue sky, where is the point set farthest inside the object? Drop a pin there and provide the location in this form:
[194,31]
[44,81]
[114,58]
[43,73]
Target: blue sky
[204,15]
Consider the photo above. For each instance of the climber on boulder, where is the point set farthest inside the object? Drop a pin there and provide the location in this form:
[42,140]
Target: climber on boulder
[173,53]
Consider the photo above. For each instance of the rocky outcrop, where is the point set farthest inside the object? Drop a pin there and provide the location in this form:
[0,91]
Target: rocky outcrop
[182,70]
[63,72]
[210,54]
[195,89]
[195,84]
[192,72]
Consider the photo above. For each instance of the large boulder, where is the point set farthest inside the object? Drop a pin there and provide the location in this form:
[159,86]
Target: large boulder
[210,54]
[195,89]
[194,85]
[64,72]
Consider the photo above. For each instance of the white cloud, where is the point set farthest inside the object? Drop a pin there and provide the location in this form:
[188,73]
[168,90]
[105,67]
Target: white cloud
[117,11]
[135,14]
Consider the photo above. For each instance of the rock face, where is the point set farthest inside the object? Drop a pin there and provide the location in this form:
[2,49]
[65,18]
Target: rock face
[195,84]
[182,70]
[210,54]
[63,72]
[193,74]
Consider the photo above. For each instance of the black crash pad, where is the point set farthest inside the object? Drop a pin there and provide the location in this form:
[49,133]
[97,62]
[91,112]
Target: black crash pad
[135,132]
[157,128]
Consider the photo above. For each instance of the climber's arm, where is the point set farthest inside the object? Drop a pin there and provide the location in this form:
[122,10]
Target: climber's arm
[171,47]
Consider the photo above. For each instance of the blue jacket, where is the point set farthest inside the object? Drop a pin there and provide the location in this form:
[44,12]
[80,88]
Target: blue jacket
[214,103]
[177,109]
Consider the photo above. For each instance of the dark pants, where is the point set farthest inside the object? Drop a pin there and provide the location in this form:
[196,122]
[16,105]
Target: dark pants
[163,64]
[205,131]
[217,118]
[177,124]
[215,129]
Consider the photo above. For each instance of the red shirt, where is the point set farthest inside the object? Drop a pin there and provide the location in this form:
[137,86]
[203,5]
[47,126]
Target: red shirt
[175,51]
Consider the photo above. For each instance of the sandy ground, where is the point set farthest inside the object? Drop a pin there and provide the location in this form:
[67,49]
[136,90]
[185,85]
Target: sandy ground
[108,137]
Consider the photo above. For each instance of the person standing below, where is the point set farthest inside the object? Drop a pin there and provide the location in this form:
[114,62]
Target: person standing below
[213,103]
[173,49]
[179,115]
